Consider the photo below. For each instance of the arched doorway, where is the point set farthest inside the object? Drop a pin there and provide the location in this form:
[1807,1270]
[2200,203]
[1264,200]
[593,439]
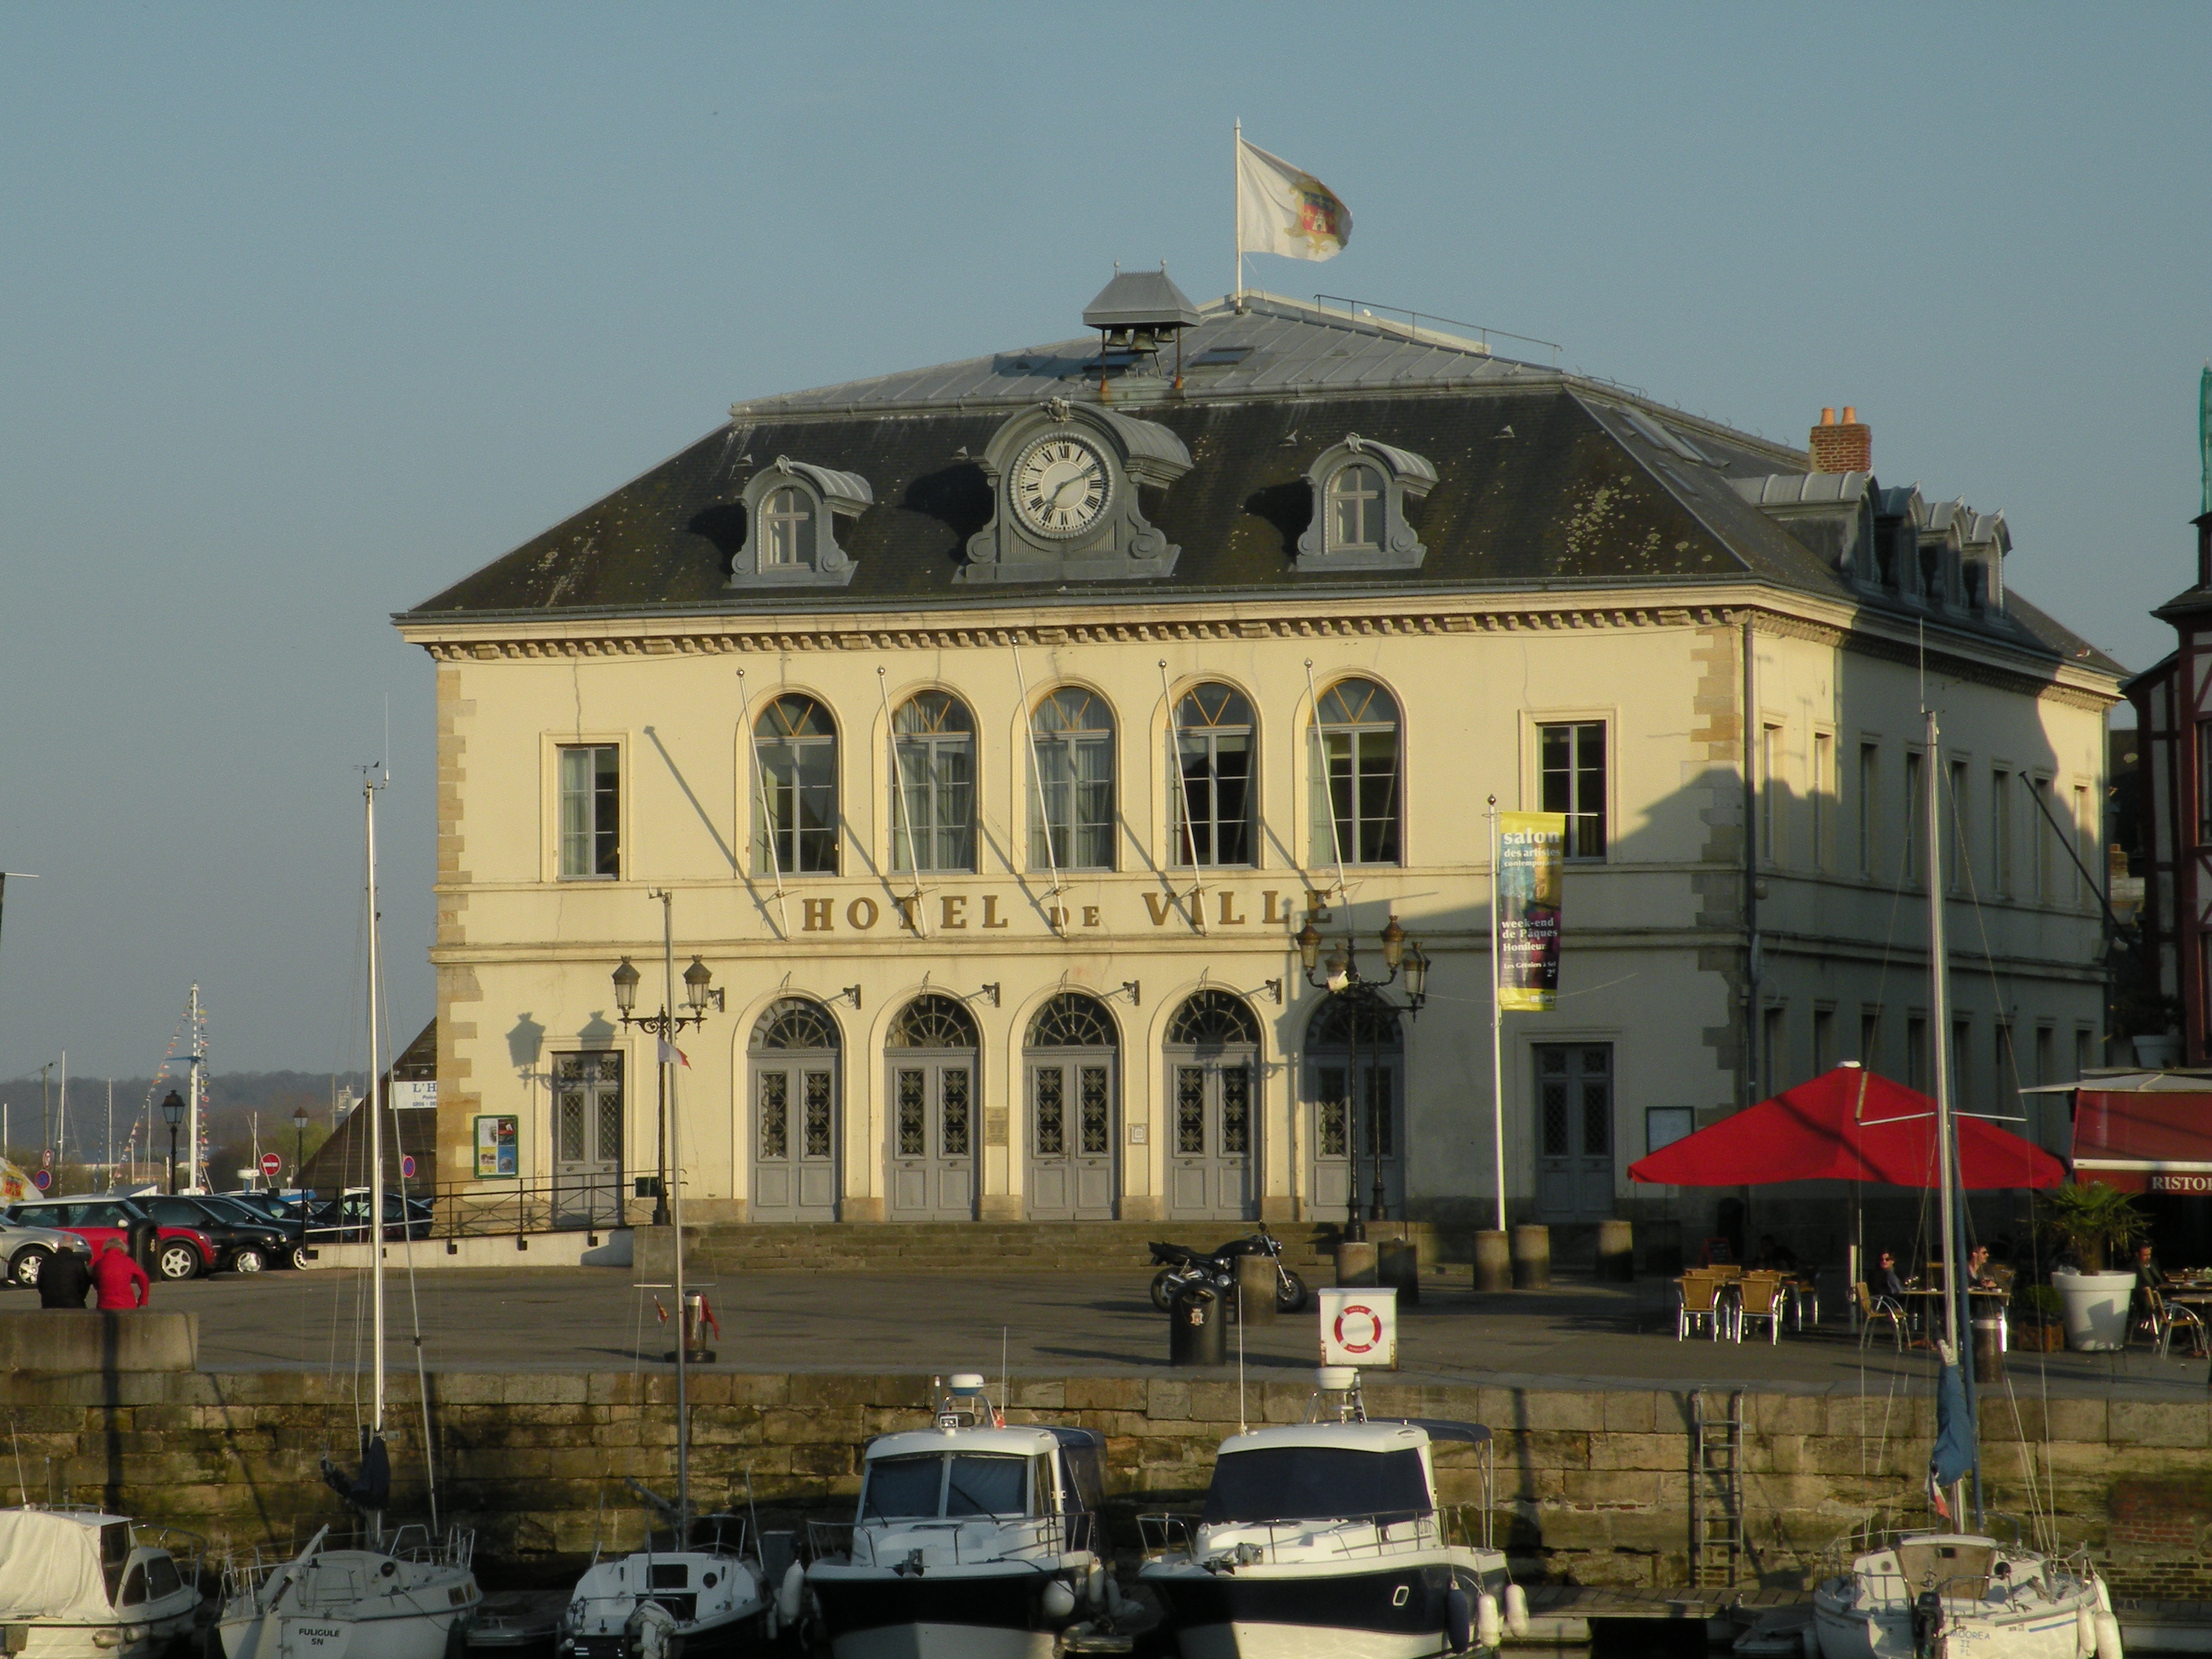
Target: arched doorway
[1213,1108]
[1375,1111]
[933,1151]
[796,1111]
[1074,1095]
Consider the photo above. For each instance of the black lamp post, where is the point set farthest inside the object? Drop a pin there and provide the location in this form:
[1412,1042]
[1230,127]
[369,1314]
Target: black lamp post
[1341,977]
[665,1025]
[299,1141]
[172,1110]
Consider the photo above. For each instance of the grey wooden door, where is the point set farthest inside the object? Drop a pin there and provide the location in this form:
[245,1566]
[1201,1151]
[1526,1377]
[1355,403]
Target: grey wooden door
[588,1139]
[1073,1121]
[932,1137]
[1376,1117]
[796,1112]
[1212,1105]
[1574,1131]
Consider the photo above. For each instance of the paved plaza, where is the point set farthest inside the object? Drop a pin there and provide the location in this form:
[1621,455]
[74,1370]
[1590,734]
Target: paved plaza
[1575,1335]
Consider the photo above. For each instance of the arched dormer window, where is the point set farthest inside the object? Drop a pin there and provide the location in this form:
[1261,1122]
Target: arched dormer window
[1360,488]
[791,532]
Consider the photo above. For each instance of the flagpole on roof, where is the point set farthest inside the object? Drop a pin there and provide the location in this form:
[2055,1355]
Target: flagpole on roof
[1236,165]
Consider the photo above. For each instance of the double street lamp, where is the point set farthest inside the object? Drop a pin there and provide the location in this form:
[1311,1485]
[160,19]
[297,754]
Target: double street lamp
[664,1024]
[299,1141]
[1364,1005]
[172,1112]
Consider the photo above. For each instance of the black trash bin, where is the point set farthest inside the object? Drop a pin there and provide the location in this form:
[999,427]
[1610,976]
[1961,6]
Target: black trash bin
[1197,1328]
[141,1242]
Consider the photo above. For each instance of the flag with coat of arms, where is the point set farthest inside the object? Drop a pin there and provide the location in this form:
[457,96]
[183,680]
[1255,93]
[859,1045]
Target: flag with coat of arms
[1282,208]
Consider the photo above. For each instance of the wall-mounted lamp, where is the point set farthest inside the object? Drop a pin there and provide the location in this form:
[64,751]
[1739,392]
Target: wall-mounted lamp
[1132,989]
[1275,988]
[851,994]
[990,991]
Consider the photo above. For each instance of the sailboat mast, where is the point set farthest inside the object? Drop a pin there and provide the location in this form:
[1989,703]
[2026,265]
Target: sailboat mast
[1939,1016]
[676,1220]
[375,1127]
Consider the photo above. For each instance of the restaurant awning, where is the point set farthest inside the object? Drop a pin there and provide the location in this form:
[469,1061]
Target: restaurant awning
[2156,1139]
[1849,1124]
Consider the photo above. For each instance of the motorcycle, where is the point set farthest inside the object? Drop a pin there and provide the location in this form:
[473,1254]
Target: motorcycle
[1181,1266]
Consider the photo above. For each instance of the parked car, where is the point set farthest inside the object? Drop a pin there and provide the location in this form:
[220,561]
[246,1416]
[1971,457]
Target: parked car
[344,1219]
[178,1252]
[288,1211]
[246,1243]
[24,1249]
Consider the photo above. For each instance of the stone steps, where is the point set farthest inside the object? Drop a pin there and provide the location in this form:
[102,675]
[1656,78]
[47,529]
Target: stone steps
[934,1247]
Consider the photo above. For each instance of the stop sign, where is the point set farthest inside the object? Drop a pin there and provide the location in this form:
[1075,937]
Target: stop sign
[271,1164]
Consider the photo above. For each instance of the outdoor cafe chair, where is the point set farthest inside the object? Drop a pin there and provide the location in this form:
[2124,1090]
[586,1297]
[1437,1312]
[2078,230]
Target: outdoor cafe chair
[2167,1316]
[1700,1298]
[1873,1307]
[1761,1299]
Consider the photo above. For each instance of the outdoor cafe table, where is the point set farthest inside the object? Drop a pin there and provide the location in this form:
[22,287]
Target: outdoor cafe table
[1924,1301]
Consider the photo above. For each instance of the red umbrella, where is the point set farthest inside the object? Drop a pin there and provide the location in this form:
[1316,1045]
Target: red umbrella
[1849,1124]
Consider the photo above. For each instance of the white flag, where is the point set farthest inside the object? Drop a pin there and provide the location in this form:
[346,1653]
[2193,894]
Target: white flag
[672,1055]
[1283,209]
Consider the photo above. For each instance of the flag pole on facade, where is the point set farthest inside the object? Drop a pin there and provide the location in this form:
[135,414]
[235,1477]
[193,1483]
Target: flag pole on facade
[1497,1029]
[1236,165]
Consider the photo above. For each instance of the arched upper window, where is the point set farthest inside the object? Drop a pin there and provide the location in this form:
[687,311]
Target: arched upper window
[1355,509]
[1214,750]
[1356,785]
[933,1021]
[795,790]
[1072,800]
[1072,1020]
[1214,1019]
[793,1022]
[933,797]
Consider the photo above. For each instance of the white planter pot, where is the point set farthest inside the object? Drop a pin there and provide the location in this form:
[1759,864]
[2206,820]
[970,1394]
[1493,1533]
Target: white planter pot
[2096,1309]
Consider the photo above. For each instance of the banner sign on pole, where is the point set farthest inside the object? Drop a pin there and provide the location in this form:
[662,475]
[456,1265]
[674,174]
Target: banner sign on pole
[1531,860]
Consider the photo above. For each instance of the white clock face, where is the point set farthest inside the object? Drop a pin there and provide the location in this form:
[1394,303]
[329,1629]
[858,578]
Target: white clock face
[1062,486]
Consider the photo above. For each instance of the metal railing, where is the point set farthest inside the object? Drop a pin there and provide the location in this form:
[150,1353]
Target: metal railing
[517,1208]
[1390,1532]
[971,1540]
[244,1571]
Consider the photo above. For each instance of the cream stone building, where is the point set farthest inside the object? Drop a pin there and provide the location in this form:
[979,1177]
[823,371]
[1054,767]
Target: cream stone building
[997,726]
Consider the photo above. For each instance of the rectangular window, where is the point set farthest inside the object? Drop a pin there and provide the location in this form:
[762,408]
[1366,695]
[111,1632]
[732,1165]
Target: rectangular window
[1665,1125]
[2001,833]
[1916,819]
[1570,771]
[2080,829]
[591,812]
[2046,1051]
[1869,807]
[1769,796]
[795,804]
[1962,1068]
[2203,781]
[2001,1068]
[1870,1038]
[2039,840]
[1074,775]
[1824,798]
[1772,1035]
[1359,768]
[1956,847]
[1915,1053]
[1824,1041]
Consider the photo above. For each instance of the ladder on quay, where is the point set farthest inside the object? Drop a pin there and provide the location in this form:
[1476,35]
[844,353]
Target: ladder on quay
[1716,1487]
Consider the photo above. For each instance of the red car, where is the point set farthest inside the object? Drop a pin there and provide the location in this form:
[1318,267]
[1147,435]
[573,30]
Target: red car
[178,1252]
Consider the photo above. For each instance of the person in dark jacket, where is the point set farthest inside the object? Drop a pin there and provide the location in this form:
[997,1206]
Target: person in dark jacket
[63,1280]
[122,1283]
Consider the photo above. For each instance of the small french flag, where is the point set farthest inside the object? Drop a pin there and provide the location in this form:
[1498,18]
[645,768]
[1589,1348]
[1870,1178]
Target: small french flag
[672,1055]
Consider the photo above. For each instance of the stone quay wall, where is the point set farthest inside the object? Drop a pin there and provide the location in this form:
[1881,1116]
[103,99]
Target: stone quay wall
[1590,1487]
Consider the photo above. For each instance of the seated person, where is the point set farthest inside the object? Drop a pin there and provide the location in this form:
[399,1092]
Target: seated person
[1774,1257]
[1978,1269]
[1886,1282]
[2150,1276]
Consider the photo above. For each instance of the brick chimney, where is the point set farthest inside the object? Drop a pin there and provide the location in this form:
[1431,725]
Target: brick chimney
[1844,446]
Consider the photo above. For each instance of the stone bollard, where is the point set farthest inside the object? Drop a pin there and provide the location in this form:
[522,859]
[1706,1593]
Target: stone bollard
[1616,1251]
[1989,1348]
[1398,1264]
[1256,1279]
[1355,1264]
[1493,1262]
[1532,1257]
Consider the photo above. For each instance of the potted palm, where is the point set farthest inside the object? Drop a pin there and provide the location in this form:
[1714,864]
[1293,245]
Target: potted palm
[2092,1224]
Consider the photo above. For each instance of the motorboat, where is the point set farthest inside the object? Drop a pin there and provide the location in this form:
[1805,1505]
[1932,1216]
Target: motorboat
[1943,1591]
[1962,1596]
[81,1583]
[704,1594]
[1329,1536]
[370,1595]
[350,1596]
[972,1541]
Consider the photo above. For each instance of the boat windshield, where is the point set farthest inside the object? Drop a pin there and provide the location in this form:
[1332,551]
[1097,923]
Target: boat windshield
[945,1484]
[1314,1483]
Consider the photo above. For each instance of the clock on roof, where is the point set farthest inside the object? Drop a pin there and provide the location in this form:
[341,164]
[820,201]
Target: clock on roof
[1061,485]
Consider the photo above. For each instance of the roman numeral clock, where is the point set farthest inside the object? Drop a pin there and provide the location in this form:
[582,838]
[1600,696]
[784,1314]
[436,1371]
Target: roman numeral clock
[1063,481]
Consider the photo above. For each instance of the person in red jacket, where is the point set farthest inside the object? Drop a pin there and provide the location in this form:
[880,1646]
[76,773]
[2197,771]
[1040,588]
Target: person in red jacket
[121,1282]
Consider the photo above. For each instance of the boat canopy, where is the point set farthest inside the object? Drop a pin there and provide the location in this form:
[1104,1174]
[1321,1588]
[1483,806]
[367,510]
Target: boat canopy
[55,1563]
[1437,1428]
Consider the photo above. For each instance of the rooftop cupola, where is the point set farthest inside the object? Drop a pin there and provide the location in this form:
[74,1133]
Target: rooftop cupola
[1139,312]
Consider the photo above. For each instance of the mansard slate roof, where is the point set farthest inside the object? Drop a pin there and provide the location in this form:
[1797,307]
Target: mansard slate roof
[1546,481]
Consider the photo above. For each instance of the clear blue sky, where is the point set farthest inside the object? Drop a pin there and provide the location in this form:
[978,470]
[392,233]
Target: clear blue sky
[312,309]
